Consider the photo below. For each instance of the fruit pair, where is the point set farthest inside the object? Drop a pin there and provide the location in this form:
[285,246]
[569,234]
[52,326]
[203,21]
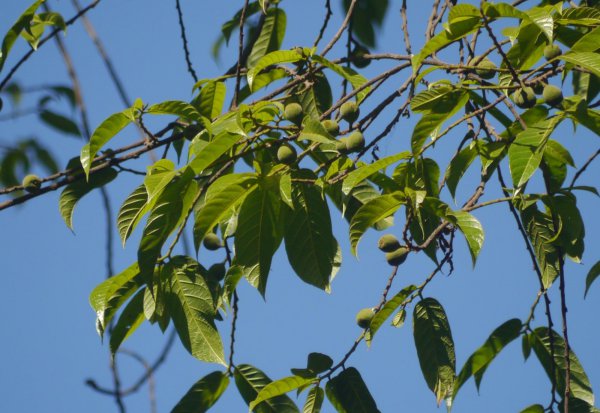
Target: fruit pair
[395,253]
[353,143]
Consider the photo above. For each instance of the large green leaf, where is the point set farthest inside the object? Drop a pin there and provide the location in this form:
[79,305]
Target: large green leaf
[386,311]
[78,189]
[435,347]
[109,295]
[580,384]
[203,394]
[458,166]
[471,229]
[540,230]
[314,400]
[271,35]
[372,212]
[590,42]
[273,58]
[348,393]
[309,242]
[176,107]
[364,171]
[211,99]
[258,234]
[132,211]
[250,381]
[591,276]
[479,361]
[216,148]
[571,232]
[191,305]
[355,79]
[129,320]
[13,33]
[279,387]
[587,60]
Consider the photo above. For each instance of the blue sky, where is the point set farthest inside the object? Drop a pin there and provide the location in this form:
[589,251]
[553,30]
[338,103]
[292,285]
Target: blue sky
[49,346]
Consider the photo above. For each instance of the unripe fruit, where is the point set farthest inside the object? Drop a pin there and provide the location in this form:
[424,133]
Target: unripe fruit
[349,111]
[212,242]
[397,256]
[286,154]
[551,51]
[342,146]
[294,113]
[356,141]
[217,271]
[485,69]
[31,183]
[364,317]
[524,98]
[358,57]
[388,243]
[332,127]
[552,95]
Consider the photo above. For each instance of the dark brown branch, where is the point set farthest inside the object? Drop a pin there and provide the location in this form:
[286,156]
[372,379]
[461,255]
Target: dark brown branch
[238,67]
[584,167]
[328,14]
[186,51]
[340,31]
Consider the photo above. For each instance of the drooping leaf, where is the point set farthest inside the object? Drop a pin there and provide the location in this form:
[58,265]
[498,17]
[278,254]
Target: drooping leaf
[591,276]
[279,387]
[203,394]
[211,99]
[60,122]
[471,229]
[132,211]
[458,166]
[540,230]
[364,171]
[250,381]
[314,400]
[348,393]
[271,35]
[78,189]
[435,347]
[129,320]
[190,304]
[386,311]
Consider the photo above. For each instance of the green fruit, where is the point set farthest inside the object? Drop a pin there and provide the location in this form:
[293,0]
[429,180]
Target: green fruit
[551,51]
[349,111]
[552,95]
[217,271]
[397,256]
[32,183]
[356,141]
[364,317]
[388,243]
[342,146]
[286,154]
[357,57]
[212,242]
[332,127]
[524,98]
[294,113]
[485,69]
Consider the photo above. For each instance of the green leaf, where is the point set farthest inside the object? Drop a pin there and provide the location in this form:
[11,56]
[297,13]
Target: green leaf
[222,196]
[591,276]
[471,229]
[540,230]
[273,58]
[279,387]
[191,305]
[309,242]
[588,42]
[129,320]
[458,166]
[132,211]
[480,360]
[271,36]
[348,393]
[386,311]
[13,33]
[355,79]
[314,400]
[534,408]
[250,381]
[176,107]
[211,99]
[364,171]
[443,39]
[104,133]
[203,394]
[542,18]
[372,212]
[580,384]
[435,347]
[60,122]
[258,234]
[78,189]
[314,131]
[587,60]
[109,295]
[571,228]
[158,176]
[216,148]
[319,363]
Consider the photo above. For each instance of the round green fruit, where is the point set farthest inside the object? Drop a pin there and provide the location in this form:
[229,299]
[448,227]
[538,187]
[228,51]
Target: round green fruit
[286,154]
[552,51]
[31,183]
[332,127]
[349,111]
[357,57]
[294,113]
[212,242]
[364,317]
[217,271]
[342,146]
[397,257]
[388,243]
[356,141]
[552,95]
[486,69]
[524,98]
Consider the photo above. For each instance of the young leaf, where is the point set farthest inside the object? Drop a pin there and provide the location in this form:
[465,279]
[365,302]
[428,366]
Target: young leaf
[78,189]
[364,171]
[314,400]
[279,387]
[435,347]
[250,381]
[203,394]
[192,308]
[129,320]
[349,394]
[592,275]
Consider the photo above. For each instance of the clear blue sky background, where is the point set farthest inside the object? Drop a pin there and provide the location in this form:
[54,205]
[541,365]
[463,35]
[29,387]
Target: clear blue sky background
[49,346]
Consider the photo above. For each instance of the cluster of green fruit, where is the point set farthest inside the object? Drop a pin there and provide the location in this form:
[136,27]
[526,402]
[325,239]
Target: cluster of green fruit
[525,97]
[395,254]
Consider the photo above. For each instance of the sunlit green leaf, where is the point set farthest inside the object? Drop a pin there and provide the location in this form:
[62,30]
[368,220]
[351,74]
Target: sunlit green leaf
[279,387]
[13,33]
[129,320]
[273,58]
[132,211]
[314,400]
[250,381]
[388,308]
[175,107]
[271,35]
[471,229]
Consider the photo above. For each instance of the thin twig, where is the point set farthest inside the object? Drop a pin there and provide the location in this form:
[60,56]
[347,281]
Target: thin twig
[238,67]
[345,23]
[185,42]
[328,14]
[584,167]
